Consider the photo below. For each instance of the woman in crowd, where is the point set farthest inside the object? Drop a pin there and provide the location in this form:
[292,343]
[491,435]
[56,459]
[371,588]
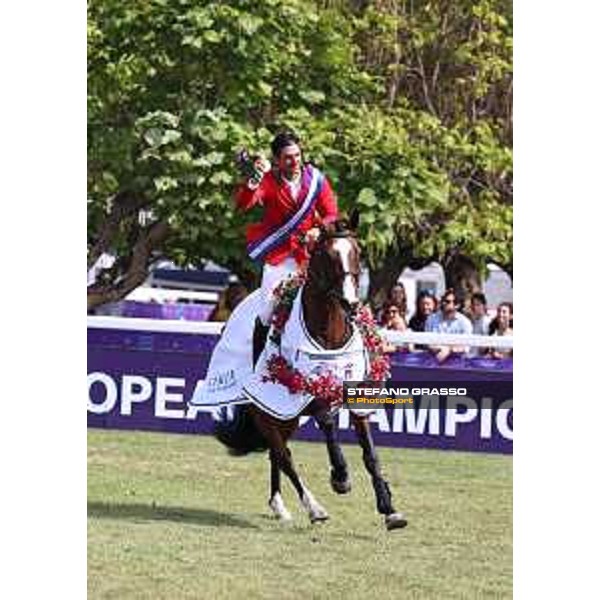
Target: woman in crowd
[426,305]
[397,297]
[502,324]
[393,318]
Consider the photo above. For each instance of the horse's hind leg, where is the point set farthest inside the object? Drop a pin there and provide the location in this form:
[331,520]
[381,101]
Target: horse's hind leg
[339,477]
[383,494]
[276,501]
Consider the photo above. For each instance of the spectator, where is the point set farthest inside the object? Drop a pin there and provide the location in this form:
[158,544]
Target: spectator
[228,300]
[397,296]
[426,305]
[502,325]
[448,320]
[392,318]
[479,317]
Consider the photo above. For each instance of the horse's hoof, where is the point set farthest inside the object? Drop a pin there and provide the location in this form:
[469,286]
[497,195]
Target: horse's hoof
[315,511]
[279,509]
[341,486]
[395,521]
[284,517]
[319,517]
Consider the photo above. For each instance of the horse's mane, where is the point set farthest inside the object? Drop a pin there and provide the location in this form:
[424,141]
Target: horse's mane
[336,229]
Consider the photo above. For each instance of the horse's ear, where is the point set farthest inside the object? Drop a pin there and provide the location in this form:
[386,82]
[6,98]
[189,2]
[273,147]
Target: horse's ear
[354,219]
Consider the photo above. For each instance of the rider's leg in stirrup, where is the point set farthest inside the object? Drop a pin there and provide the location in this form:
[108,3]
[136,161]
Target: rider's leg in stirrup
[273,275]
[259,339]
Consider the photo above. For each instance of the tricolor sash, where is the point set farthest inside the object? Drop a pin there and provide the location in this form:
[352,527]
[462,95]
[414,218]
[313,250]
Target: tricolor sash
[258,249]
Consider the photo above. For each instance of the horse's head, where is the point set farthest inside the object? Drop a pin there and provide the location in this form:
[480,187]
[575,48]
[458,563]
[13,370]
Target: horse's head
[334,267]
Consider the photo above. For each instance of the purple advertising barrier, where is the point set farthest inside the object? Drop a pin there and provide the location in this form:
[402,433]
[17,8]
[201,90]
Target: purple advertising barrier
[154,310]
[143,380]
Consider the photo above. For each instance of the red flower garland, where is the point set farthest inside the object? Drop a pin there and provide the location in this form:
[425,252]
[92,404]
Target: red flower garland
[326,388]
[285,294]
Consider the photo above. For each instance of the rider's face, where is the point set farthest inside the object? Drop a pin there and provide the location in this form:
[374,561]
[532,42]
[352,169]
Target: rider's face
[290,161]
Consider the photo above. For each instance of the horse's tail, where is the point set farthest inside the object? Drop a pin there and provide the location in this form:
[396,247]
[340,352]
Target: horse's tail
[235,428]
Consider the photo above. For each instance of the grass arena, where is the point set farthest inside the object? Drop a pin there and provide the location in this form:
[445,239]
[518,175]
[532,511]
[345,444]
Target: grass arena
[174,516]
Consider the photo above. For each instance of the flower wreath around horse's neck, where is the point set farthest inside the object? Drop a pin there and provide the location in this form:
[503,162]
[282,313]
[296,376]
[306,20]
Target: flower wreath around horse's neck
[326,388]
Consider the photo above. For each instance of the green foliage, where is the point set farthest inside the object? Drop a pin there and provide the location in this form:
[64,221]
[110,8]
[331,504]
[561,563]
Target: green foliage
[406,112]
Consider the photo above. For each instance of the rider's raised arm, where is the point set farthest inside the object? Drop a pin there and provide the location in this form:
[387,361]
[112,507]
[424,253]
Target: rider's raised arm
[327,207]
[246,197]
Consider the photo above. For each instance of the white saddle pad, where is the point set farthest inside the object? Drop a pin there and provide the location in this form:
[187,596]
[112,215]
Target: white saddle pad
[231,361]
[231,380]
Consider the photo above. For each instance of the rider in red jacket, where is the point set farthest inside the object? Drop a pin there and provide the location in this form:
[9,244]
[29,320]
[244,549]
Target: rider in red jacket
[296,198]
[276,194]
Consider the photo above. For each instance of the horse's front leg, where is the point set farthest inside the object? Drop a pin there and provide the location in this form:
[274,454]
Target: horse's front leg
[383,494]
[316,512]
[276,435]
[276,503]
[339,476]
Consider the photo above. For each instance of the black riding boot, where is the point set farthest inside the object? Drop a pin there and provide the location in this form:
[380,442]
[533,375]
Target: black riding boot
[259,339]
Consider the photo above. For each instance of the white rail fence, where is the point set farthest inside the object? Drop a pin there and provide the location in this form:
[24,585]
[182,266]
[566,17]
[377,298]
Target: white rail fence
[214,328]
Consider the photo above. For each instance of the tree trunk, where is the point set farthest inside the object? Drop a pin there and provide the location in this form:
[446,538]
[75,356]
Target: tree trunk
[462,275]
[125,205]
[135,267]
[384,278]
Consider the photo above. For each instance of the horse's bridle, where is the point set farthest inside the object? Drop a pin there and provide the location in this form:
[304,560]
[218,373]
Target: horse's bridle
[333,292]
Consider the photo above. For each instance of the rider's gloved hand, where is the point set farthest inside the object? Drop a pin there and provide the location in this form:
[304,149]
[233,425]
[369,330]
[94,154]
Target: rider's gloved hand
[311,237]
[261,166]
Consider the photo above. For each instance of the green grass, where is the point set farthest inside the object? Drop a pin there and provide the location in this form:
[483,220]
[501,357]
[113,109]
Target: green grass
[173,516]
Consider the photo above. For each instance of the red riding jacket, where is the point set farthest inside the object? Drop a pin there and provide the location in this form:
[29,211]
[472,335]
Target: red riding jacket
[275,197]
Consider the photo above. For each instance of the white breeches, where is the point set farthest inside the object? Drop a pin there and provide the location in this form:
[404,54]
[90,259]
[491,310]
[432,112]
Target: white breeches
[272,276]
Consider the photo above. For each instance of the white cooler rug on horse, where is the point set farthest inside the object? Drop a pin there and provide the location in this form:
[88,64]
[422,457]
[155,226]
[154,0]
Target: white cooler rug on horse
[231,380]
[231,360]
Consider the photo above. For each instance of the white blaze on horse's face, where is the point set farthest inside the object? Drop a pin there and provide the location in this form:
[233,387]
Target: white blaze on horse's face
[349,291]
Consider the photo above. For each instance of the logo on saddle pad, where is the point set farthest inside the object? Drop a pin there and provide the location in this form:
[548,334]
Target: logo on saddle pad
[222,381]
[321,368]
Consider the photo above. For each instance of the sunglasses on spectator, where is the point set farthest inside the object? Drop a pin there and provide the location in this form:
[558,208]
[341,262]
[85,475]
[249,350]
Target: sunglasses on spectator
[448,301]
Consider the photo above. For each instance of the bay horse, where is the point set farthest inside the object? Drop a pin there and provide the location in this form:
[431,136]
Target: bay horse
[329,302]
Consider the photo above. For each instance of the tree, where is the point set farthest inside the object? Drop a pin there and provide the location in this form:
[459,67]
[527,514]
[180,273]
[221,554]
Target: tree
[452,59]
[176,88]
